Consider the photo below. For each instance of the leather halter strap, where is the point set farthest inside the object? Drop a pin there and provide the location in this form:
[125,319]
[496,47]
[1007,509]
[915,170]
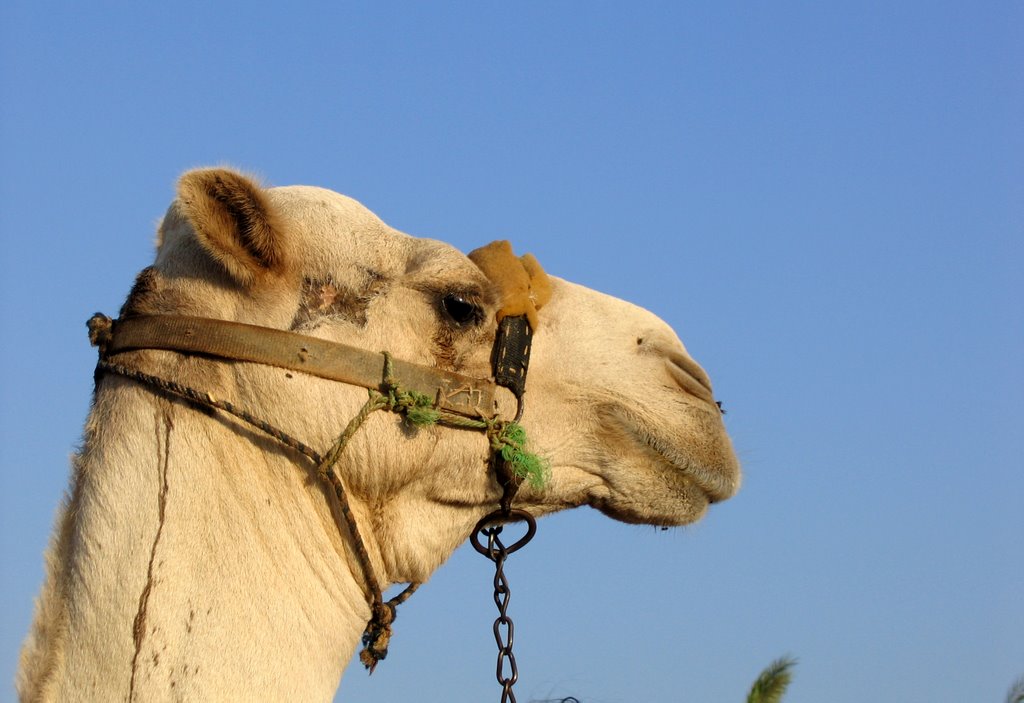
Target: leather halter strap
[463,395]
[452,393]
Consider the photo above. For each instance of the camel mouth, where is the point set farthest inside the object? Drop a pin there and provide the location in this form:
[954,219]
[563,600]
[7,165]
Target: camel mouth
[662,476]
[709,466]
[717,485]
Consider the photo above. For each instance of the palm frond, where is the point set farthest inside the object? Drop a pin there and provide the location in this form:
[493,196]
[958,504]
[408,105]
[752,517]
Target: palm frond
[771,685]
[1016,692]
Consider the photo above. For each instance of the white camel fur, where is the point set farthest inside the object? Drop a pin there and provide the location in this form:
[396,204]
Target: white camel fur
[196,559]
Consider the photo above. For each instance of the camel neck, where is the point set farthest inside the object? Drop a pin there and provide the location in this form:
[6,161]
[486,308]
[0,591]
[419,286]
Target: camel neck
[195,564]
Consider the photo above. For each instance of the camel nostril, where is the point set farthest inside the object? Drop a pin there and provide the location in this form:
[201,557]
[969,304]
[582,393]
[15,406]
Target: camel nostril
[688,374]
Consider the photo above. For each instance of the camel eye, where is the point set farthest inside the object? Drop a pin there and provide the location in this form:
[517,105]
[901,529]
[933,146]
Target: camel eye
[461,310]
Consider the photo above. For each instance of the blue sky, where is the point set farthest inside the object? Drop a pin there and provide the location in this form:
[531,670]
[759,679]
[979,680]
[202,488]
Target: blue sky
[826,200]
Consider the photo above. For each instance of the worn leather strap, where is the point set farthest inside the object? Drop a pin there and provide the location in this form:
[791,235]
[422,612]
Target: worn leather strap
[512,354]
[471,397]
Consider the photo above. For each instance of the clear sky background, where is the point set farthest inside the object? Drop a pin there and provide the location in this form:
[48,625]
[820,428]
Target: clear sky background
[825,199]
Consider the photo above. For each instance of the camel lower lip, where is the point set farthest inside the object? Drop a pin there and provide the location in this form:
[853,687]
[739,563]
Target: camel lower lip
[709,483]
[716,485]
[706,464]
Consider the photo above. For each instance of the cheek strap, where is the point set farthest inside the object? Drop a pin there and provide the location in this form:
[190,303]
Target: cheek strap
[512,357]
[524,288]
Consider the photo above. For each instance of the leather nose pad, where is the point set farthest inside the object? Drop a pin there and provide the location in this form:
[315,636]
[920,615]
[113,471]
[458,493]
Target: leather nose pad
[512,357]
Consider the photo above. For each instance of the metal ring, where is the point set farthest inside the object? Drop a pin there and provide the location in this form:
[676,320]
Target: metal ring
[500,517]
[519,409]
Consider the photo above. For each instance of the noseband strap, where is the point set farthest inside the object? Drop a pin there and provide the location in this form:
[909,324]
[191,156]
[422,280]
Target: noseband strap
[452,392]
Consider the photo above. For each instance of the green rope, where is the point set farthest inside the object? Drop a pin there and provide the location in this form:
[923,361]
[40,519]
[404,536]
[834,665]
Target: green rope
[507,438]
[334,454]
[418,408]
[510,440]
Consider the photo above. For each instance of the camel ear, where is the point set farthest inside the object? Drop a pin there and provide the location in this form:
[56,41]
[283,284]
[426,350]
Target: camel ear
[234,222]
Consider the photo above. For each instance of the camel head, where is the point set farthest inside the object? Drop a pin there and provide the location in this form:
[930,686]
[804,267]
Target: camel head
[185,527]
[623,414]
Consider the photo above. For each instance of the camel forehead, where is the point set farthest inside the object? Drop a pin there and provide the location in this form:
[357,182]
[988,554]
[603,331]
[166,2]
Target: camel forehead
[314,206]
[330,232]
[338,231]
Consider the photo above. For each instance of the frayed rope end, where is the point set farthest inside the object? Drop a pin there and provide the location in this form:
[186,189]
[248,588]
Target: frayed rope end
[377,636]
[533,468]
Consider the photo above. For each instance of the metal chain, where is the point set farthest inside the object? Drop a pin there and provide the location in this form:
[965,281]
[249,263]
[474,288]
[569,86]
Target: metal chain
[507,671]
[504,628]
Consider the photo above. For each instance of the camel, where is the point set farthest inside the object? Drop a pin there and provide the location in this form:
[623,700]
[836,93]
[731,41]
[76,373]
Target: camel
[196,558]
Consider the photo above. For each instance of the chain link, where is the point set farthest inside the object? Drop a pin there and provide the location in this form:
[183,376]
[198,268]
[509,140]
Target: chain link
[504,628]
[507,671]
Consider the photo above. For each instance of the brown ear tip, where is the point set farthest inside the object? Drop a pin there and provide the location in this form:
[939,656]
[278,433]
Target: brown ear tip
[207,179]
[234,221]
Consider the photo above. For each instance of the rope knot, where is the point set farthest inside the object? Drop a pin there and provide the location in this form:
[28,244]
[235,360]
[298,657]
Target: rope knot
[101,331]
[509,440]
[377,635]
[418,408]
